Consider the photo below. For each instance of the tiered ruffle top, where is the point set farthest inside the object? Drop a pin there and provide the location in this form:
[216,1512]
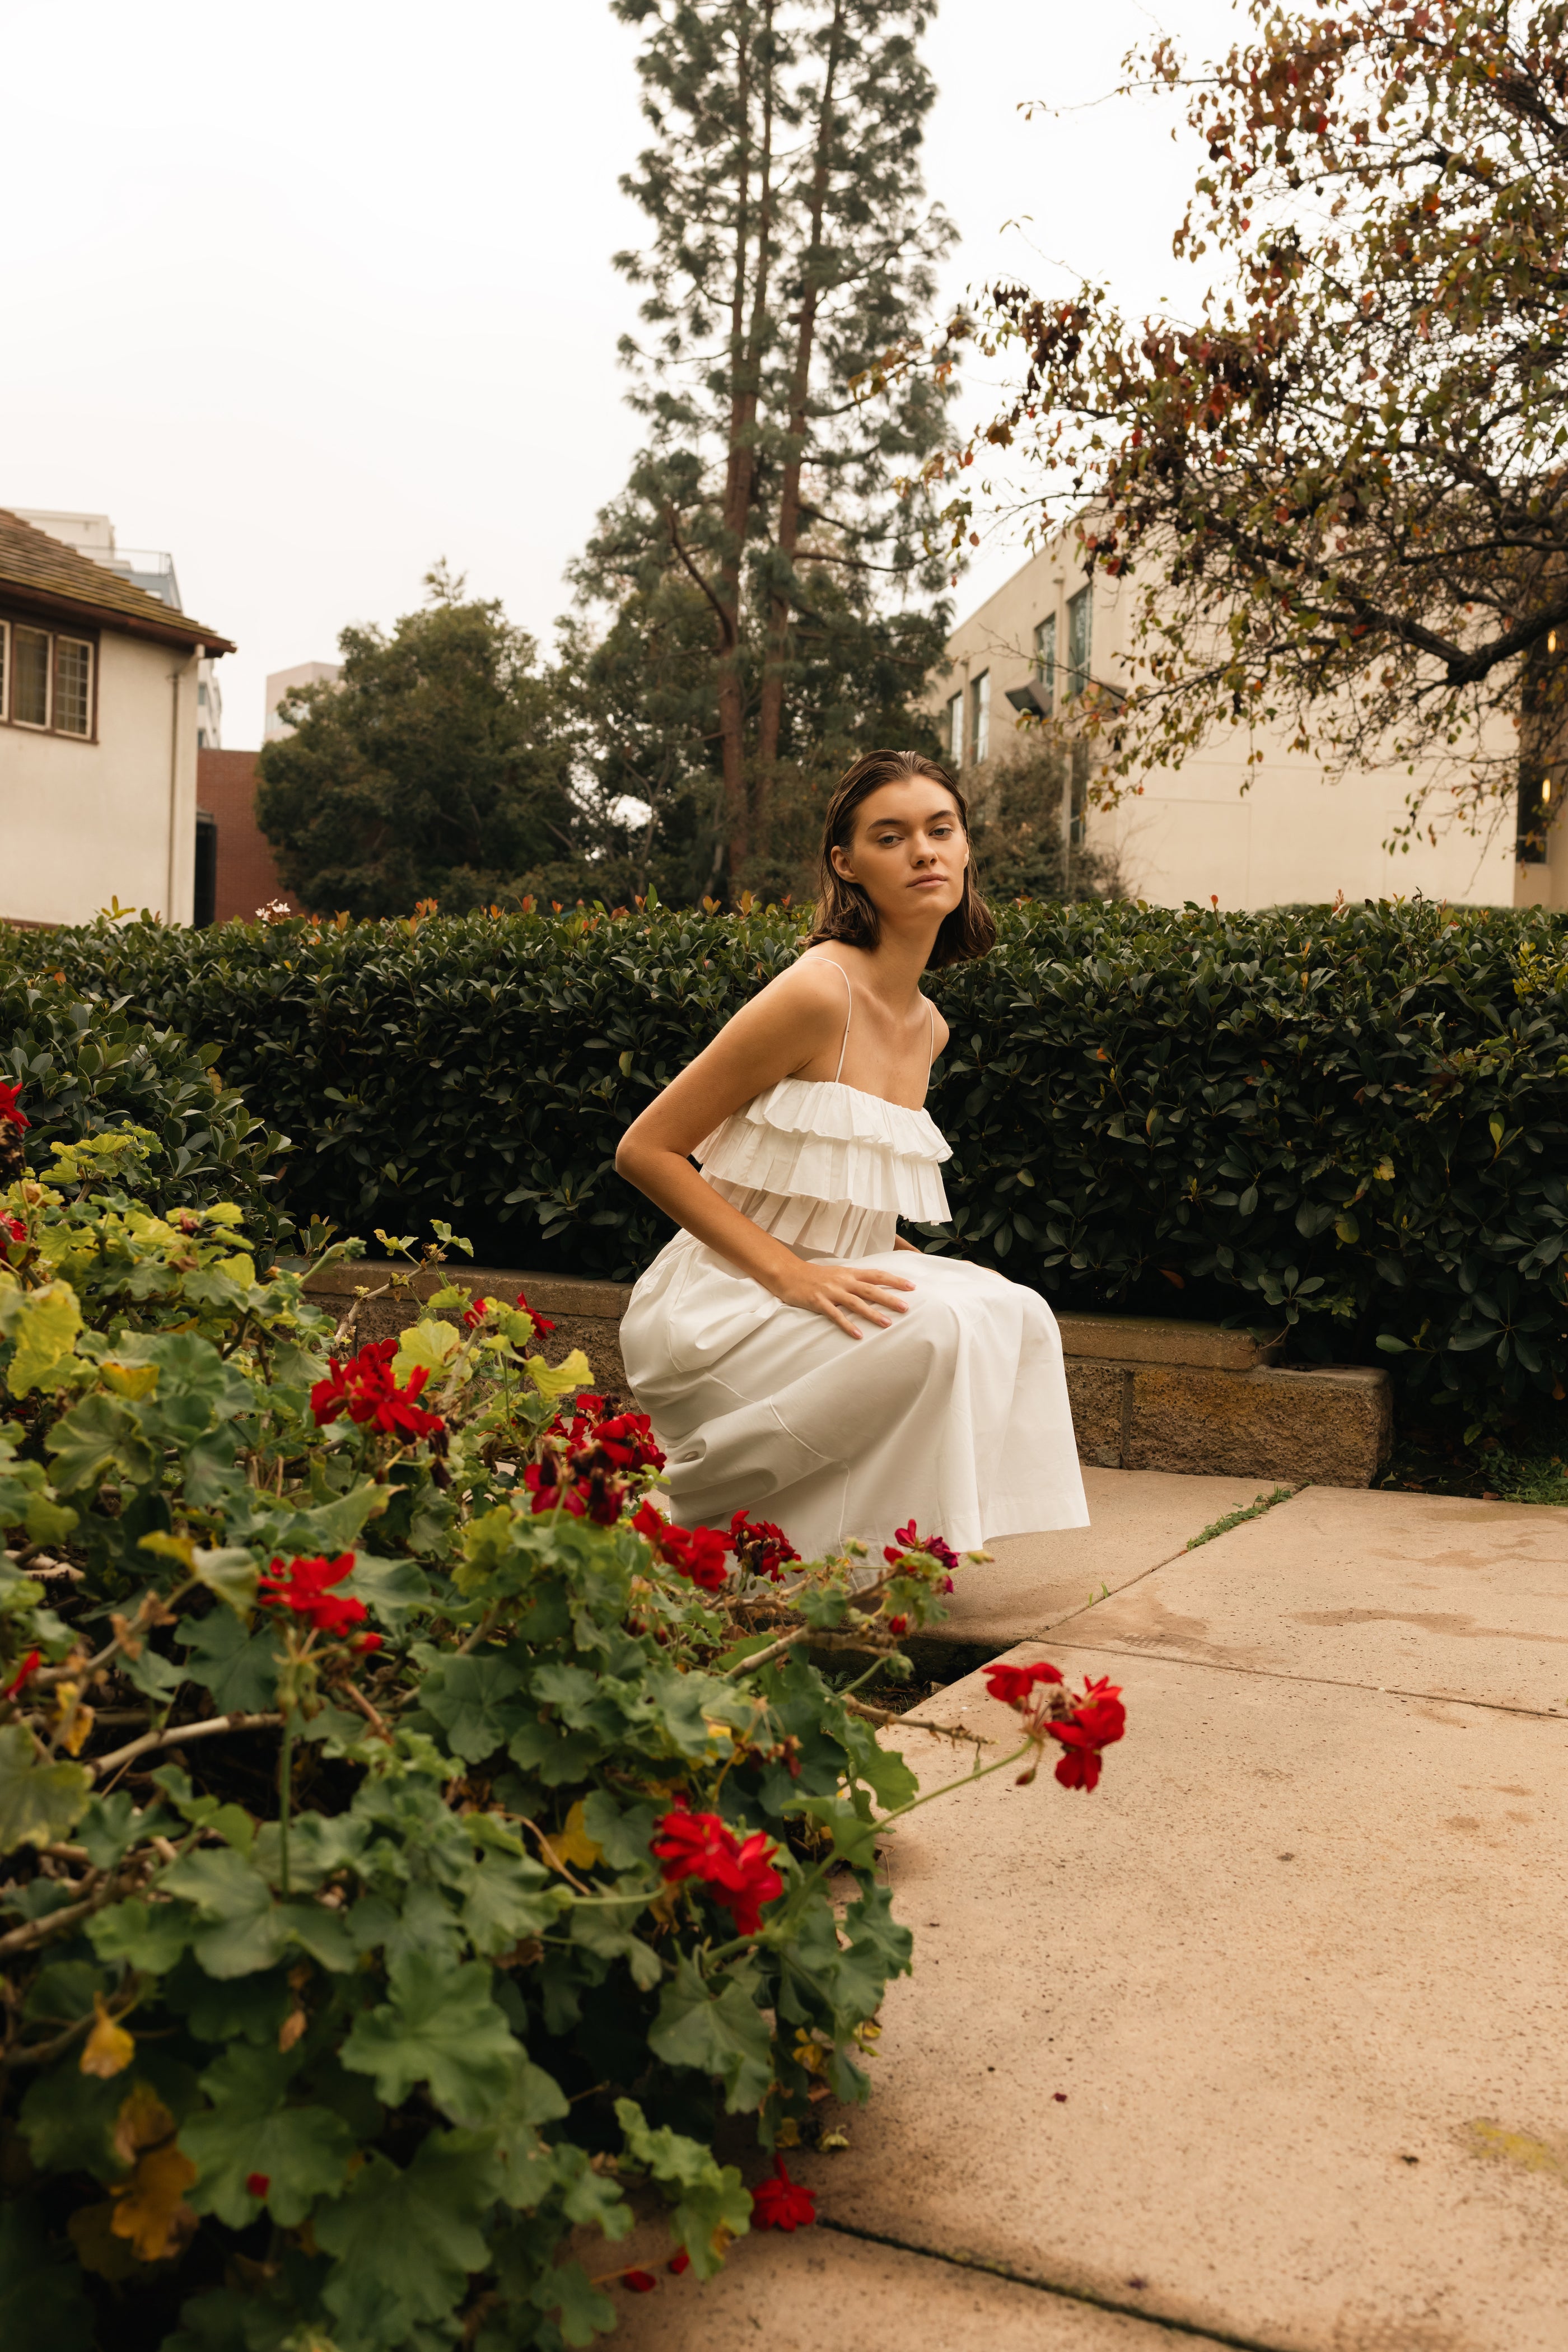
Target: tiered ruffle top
[827,1169]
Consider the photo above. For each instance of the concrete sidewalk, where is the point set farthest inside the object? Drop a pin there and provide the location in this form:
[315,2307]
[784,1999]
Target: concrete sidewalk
[1265,2041]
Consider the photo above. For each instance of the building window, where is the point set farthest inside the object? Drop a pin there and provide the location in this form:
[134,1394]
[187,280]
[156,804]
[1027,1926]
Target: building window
[1046,667]
[46,681]
[955,731]
[73,687]
[30,692]
[980,716]
[1078,643]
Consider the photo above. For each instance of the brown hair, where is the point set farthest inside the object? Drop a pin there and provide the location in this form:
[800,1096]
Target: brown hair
[844,912]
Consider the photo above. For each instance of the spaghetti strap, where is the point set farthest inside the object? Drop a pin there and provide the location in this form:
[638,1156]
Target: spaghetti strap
[931,1045]
[848,1018]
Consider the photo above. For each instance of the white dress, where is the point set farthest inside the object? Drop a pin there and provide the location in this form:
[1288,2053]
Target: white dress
[955,1415]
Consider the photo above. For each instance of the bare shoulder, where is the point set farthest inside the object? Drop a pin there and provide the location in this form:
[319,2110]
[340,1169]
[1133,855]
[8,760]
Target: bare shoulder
[940,1032]
[812,989]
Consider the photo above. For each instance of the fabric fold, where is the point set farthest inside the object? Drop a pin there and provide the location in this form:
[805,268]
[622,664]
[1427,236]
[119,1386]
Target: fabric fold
[804,1140]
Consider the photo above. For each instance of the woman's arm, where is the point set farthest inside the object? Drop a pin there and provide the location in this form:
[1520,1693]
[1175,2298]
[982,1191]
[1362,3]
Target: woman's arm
[798,1017]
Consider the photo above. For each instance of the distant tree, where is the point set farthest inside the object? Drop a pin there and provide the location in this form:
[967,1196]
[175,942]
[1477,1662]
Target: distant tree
[436,767]
[1027,816]
[761,543]
[1341,492]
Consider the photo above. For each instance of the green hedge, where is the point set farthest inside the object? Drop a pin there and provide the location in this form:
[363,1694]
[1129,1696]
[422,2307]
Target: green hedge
[1354,1122]
[85,1069]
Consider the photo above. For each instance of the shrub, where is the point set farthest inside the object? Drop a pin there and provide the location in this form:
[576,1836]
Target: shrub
[1351,1120]
[416,1844]
[88,1071]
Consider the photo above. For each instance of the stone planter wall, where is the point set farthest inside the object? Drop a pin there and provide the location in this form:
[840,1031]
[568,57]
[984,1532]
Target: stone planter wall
[1147,1394]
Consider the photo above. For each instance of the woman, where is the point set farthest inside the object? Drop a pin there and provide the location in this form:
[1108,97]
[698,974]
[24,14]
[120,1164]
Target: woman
[795,1361]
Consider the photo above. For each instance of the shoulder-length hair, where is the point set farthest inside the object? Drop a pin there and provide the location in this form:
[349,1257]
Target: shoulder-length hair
[843,911]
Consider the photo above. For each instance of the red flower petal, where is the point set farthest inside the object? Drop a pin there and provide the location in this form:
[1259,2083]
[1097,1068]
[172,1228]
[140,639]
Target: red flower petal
[257,2184]
[639,2282]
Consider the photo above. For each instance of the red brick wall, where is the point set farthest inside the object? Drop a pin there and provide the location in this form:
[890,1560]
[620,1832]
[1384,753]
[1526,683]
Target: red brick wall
[246,877]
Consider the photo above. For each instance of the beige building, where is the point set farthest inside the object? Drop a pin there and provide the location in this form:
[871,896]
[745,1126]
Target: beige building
[99,721]
[1194,832]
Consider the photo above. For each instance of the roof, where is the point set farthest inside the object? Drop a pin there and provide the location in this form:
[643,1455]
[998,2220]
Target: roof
[57,580]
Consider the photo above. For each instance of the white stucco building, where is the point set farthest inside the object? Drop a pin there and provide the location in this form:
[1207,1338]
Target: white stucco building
[1194,833]
[99,722]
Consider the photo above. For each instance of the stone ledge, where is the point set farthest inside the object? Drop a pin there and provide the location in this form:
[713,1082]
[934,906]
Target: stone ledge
[1332,1426]
[1165,1339]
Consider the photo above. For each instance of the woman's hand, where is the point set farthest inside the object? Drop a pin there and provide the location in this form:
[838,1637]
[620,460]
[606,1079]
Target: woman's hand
[840,1291]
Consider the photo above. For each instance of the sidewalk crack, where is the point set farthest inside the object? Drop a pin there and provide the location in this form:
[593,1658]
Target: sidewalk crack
[1192,2328]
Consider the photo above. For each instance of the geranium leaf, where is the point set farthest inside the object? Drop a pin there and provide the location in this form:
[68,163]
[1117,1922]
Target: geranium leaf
[438,2026]
[249,2130]
[407,2242]
[43,2302]
[722,2034]
[466,1696]
[40,1802]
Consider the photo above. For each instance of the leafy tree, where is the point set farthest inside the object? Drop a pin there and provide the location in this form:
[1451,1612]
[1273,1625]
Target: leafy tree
[761,543]
[436,767]
[1341,491]
[1027,818]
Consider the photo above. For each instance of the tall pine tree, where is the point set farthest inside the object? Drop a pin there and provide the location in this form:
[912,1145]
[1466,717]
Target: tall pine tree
[770,601]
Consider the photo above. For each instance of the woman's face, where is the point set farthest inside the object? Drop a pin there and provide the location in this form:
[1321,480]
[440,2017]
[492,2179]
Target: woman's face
[908,850]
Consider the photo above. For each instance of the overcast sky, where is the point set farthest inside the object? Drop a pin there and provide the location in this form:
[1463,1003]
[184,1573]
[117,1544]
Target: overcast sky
[312,294]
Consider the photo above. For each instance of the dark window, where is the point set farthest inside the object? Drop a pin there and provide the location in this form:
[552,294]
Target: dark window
[30,693]
[205,909]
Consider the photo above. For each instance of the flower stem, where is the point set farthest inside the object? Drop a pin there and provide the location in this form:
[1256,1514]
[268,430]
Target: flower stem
[284,1794]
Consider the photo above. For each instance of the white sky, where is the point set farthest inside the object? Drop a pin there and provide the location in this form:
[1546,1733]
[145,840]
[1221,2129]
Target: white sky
[311,295]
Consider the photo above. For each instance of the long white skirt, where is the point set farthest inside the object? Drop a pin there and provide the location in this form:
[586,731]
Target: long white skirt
[956,1416]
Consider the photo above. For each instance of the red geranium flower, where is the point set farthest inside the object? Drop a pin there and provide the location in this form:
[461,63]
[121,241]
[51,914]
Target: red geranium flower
[696,1553]
[1097,1722]
[1016,1685]
[366,1389]
[740,1876]
[10,1098]
[762,1548]
[909,1539]
[23,1676]
[782,2203]
[303,1588]
[12,1228]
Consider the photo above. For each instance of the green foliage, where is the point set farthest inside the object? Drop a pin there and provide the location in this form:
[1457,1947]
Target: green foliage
[338,2029]
[1336,501]
[753,579]
[435,767]
[1350,1122]
[110,1093]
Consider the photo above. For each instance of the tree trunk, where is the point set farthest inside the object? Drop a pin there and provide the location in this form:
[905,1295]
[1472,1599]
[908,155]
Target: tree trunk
[771,716]
[746,337]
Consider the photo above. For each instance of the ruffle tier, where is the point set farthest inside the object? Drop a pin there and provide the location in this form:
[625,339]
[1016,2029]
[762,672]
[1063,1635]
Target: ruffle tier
[813,1139]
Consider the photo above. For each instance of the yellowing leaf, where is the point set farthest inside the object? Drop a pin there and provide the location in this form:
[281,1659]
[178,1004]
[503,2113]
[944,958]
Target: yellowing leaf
[425,1347]
[572,1372]
[149,2208]
[73,1721]
[240,1269]
[132,1380]
[225,1212]
[44,1324]
[144,2120]
[178,1548]
[108,2049]
[573,1846]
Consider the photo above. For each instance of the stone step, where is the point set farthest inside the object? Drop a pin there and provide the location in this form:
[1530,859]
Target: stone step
[1149,1392]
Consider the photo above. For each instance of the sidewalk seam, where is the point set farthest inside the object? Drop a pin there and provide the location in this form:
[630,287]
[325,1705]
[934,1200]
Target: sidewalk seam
[1190,2327]
[1133,1584]
[1326,1682]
